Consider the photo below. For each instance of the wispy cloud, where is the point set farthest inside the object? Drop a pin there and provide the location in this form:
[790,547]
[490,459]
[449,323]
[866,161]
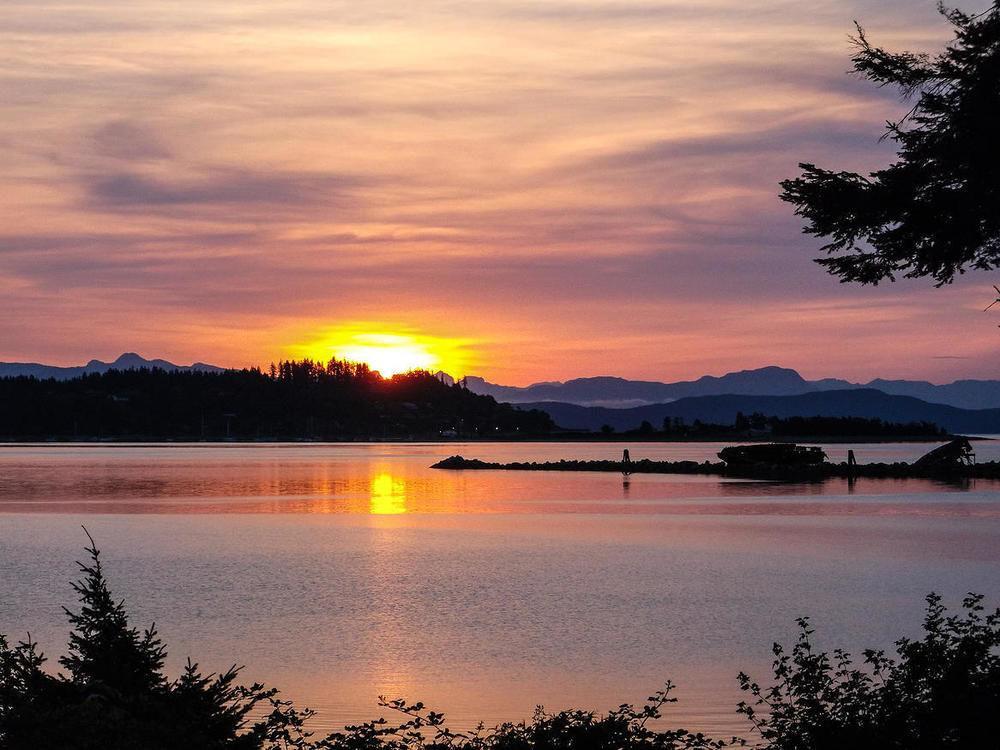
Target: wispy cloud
[246,189]
[129,141]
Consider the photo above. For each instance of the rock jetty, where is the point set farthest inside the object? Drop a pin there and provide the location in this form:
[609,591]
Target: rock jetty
[779,471]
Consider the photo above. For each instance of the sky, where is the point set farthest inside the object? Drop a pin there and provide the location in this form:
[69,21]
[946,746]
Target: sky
[529,191]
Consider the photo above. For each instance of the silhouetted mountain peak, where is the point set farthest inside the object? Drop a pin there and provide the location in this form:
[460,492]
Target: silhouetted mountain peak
[130,360]
[769,374]
[127,361]
[444,377]
[866,403]
[771,380]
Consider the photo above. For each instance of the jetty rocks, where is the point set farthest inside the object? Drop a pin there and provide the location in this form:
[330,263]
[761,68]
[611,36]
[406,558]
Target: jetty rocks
[457,462]
[776,462]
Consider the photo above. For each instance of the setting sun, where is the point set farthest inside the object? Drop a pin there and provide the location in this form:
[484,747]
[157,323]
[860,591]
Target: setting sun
[388,353]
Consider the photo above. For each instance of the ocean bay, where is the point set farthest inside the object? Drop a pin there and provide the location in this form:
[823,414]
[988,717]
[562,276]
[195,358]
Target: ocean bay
[350,571]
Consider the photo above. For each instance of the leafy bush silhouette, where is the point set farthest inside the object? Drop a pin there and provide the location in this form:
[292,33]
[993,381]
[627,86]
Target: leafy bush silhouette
[942,691]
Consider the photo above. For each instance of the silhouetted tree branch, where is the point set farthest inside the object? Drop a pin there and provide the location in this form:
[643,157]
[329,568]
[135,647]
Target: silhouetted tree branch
[936,211]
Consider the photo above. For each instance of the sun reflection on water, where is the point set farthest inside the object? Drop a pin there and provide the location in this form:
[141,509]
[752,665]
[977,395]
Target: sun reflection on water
[388,495]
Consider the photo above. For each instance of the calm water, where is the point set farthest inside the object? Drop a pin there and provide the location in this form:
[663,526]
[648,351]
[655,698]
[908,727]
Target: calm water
[339,573]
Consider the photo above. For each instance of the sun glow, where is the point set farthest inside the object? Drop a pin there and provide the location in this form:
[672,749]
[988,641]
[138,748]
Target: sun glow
[389,353]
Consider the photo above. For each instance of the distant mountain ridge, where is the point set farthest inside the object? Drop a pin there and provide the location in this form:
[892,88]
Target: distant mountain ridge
[861,402]
[127,361]
[614,392]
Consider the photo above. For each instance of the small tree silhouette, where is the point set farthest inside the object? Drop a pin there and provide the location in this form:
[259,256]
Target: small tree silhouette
[115,696]
[104,652]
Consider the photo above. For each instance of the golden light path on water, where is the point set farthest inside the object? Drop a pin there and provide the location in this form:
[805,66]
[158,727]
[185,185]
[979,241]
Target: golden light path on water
[388,495]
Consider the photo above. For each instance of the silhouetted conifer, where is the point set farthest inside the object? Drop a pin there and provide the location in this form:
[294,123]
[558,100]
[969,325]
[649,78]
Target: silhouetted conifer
[935,211]
[105,654]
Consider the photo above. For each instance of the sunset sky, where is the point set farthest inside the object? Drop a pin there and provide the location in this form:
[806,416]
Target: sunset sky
[529,190]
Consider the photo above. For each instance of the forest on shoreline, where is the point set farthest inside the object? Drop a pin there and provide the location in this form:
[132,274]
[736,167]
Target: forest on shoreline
[295,400]
[343,401]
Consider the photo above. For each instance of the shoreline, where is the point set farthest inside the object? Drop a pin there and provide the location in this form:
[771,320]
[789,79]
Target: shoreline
[767,471]
[622,438]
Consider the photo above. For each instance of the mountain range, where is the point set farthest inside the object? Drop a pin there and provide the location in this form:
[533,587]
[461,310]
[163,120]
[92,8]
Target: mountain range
[613,392]
[971,406]
[127,361]
[861,402]
[620,393]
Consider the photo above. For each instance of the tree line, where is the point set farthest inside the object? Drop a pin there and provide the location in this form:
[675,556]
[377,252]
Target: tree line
[760,425]
[291,400]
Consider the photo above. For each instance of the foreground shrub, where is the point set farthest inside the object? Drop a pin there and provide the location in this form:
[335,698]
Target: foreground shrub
[942,691]
[114,695]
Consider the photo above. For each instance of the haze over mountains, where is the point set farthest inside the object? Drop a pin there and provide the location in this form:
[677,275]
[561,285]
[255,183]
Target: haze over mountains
[620,393]
[722,410]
